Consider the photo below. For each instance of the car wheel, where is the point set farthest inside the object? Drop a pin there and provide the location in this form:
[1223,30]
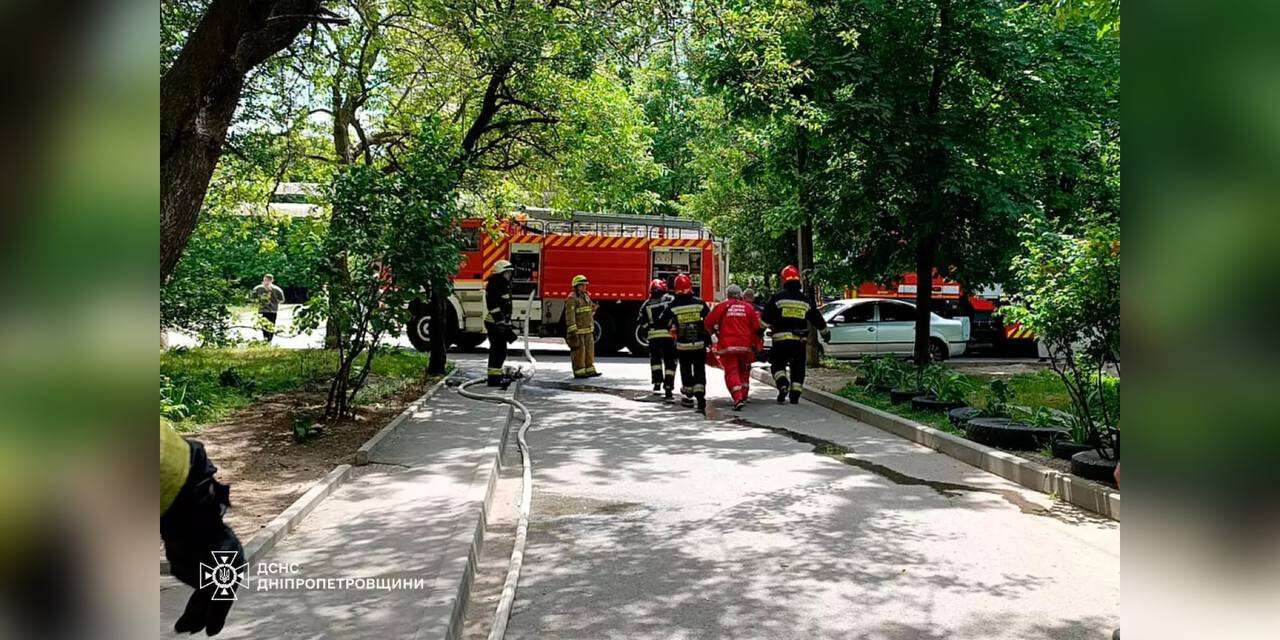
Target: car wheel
[938,350]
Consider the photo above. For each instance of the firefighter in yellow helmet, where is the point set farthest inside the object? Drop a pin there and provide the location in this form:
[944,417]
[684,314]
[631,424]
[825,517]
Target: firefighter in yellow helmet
[497,318]
[191,507]
[579,329]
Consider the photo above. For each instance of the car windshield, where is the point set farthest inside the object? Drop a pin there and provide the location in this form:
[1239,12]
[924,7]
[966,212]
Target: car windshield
[831,308]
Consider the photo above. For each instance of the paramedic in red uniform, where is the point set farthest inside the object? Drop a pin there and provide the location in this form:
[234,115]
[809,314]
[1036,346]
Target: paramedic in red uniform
[736,324]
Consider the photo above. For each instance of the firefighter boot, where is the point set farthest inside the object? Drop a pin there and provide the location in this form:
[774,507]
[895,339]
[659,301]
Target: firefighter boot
[783,387]
[702,403]
[795,396]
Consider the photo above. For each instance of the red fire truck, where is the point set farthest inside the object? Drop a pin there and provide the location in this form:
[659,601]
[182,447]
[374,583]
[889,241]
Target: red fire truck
[950,300]
[619,254]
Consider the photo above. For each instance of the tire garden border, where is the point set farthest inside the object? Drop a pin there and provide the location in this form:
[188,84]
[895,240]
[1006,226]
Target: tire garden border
[1086,494]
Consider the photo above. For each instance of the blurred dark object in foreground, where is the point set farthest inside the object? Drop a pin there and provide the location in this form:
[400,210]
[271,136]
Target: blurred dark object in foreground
[1201,302]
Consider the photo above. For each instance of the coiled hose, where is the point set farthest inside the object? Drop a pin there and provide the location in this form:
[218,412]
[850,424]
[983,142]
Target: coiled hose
[503,613]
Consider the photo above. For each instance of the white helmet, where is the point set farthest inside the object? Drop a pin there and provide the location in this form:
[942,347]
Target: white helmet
[501,266]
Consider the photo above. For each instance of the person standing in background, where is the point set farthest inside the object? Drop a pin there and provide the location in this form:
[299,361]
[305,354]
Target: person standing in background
[268,296]
[579,325]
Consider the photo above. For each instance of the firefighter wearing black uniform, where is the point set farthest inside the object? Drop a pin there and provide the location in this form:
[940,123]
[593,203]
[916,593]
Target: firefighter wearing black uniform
[789,315]
[192,504]
[497,318]
[662,347]
[686,314]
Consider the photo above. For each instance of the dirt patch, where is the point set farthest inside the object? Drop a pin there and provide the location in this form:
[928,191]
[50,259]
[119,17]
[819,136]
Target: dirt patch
[256,454]
[827,379]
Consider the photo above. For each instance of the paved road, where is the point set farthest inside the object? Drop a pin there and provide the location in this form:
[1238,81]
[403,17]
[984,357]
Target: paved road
[785,522]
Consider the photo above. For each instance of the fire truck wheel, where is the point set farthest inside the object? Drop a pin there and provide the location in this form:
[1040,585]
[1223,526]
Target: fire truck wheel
[419,332]
[637,341]
[469,341]
[938,350]
[606,334]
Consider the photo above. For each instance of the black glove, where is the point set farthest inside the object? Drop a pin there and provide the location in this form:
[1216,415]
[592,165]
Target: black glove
[192,529]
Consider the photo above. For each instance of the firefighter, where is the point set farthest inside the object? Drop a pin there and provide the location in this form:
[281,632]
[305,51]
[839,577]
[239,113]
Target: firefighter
[736,325]
[579,329]
[789,315]
[192,504]
[497,318]
[686,315]
[662,347]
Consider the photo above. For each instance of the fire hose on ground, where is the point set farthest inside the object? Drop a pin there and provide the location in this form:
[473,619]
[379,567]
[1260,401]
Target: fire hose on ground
[502,614]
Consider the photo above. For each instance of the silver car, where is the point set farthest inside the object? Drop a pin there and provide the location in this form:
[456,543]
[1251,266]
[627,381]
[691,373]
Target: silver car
[869,326]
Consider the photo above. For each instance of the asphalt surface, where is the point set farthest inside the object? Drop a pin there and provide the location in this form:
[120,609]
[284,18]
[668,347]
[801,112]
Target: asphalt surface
[783,522]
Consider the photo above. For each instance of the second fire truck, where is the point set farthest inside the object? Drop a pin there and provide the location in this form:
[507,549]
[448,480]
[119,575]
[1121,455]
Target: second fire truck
[619,254]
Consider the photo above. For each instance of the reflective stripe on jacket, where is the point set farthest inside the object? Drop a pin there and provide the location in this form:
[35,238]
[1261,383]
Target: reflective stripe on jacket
[578,318]
[686,313]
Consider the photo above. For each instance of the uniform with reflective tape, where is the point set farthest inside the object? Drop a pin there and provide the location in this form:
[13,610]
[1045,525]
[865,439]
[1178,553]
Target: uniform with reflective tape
[497,323]
[737,328]
[662,347]
[579,332]
[686,314]
[789,315]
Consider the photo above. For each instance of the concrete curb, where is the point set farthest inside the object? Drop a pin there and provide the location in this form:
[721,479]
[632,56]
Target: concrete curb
[447,607]
[362,454]
[1092,496]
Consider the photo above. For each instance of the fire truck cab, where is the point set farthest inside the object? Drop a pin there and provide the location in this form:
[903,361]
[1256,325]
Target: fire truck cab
[619,254]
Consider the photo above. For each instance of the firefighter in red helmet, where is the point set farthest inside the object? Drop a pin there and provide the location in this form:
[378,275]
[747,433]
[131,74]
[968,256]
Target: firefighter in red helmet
[662,347]
[685,315]
[789,316]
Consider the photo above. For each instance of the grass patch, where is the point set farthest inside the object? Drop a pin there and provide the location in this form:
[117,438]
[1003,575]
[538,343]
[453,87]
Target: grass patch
[880,401]
[205,384]
[1039,389]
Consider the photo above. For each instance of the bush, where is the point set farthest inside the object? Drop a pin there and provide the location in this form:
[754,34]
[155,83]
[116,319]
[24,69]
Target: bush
[1069,295]
[999,394]
[883,372]
[947,386]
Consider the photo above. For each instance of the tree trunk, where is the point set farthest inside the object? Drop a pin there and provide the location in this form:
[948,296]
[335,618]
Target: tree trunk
[812,348]
[439,334]
[199,95]
[804,235]
[925,250]
[342,149]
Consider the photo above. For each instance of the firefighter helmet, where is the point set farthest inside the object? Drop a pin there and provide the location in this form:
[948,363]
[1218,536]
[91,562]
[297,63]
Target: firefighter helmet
[658,284]
[501,266]
[579,279]
[684,284]
[790,273]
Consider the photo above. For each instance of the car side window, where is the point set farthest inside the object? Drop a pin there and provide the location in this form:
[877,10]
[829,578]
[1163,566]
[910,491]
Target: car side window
[859,313]
[893,312]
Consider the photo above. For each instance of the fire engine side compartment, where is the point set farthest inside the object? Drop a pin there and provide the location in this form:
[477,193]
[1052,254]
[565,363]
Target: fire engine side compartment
[617,267]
